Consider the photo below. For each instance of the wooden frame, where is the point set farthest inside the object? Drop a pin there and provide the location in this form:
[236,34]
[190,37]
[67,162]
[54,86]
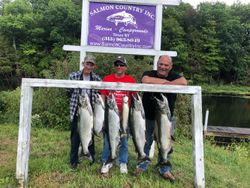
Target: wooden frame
[28,84]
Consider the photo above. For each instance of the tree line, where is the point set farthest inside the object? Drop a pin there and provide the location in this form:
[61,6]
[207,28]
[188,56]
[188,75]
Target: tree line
[212,41]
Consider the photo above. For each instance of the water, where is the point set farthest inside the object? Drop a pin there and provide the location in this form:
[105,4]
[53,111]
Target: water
[227,111]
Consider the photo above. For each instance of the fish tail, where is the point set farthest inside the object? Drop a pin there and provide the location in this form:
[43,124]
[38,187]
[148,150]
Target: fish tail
[124,134]
[110,160]
[164,162]
[146,158]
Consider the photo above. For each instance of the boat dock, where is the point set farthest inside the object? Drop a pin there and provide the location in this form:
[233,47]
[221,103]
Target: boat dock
[232,132]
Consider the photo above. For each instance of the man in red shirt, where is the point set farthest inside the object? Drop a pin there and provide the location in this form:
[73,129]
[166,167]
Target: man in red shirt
[120,66]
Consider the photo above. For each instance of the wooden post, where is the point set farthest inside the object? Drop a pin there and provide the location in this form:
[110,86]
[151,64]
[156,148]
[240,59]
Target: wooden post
[158,31]
[23,146]
[206,120]
[84,30]
[197,132]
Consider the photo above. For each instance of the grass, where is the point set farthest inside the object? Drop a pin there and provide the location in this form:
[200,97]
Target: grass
[226,90]
[49,156]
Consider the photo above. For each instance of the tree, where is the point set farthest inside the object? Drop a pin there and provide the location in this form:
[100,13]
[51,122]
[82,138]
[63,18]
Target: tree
[174,27]
[16,20]
[232,36]
[8,68]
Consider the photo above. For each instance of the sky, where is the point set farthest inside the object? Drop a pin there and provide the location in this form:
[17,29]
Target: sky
[194,3]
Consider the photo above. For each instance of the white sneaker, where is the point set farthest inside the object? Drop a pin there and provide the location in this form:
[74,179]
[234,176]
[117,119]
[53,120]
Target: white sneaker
[105,168]
[123,168]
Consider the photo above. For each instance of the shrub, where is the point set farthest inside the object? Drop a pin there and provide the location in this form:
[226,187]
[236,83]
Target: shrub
[9,106]
[52,107]
[183,115]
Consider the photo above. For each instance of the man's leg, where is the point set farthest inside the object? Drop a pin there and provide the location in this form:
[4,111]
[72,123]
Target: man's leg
[75,142]
[106,150]
[165,169]
[123,154]
[142,166]
[92,150]
[105,155]
[150,125]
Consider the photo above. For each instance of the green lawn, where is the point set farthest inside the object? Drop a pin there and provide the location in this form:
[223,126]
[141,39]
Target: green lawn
[48,164]
[234,90]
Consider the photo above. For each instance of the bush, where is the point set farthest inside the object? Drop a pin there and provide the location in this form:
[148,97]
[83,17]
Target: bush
[52,107]
[9,106]
[49,109]
[183,115]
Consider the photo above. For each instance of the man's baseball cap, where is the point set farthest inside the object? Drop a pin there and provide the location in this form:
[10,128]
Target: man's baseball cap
[121,60]
[89,58]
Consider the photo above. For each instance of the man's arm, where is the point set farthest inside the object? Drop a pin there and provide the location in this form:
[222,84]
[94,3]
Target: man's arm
[178,81]
[153,80]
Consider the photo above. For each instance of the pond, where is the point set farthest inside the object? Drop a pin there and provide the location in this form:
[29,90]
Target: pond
[227,111]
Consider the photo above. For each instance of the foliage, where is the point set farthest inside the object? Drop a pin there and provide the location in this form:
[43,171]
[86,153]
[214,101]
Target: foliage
[183,115]
[50,106]
[9,106]
[242,149]
[212,41]
[8,65]
[38,30]
[216,51]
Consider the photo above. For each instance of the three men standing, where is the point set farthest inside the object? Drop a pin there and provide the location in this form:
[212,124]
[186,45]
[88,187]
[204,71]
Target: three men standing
[163,75]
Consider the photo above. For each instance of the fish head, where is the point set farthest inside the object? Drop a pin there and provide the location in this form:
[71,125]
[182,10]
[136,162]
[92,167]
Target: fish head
[99,100]
[160,102]
[125,99]
[163,105]
[111,101]
[83,100]
[131,19]
[137,102]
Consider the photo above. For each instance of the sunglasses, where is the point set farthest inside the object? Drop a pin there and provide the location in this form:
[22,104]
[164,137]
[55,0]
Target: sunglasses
[117,64]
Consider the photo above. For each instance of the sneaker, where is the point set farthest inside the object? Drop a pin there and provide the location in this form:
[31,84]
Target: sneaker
[168,176]
[105,168]
[123,168]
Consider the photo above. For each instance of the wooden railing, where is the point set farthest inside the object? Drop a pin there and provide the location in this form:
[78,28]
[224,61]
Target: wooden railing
[28,84]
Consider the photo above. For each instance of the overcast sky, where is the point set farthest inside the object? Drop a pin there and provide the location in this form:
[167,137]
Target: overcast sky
[228,2]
